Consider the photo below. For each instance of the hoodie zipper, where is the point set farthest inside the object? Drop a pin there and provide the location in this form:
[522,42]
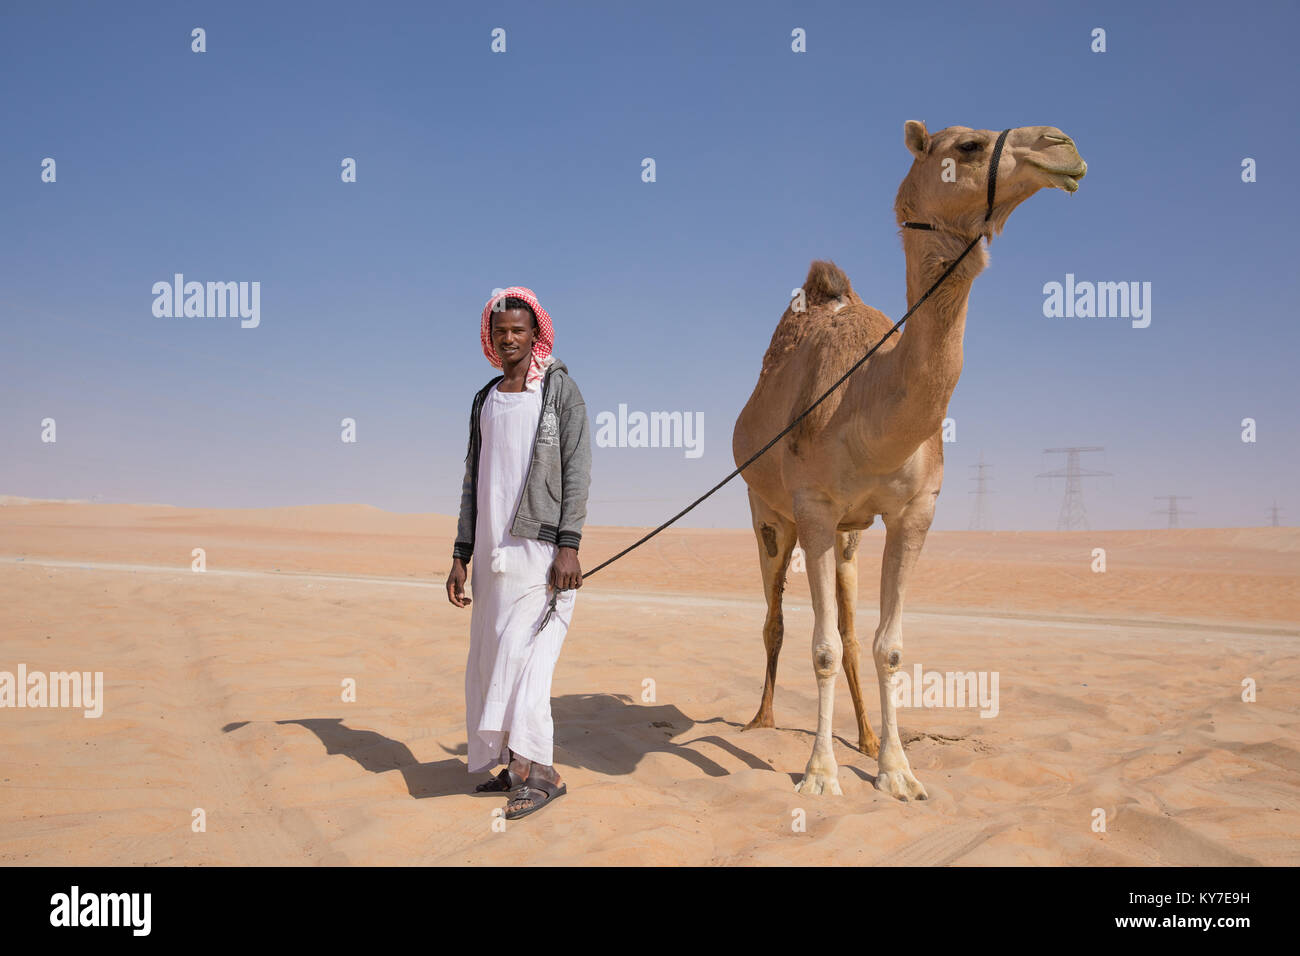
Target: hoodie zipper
[477,443]
[546,383]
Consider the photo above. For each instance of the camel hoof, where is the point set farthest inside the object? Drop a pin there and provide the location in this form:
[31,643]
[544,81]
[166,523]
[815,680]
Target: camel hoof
[901,784]
[870,746]
[819,782]
[758,722]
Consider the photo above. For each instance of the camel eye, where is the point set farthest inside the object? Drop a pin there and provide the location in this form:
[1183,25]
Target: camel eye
[971,146]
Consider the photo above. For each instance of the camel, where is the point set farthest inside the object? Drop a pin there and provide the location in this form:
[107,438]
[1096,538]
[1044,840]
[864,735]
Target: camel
[874,446]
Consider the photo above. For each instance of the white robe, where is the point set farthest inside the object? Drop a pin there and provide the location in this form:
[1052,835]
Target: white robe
[508,674]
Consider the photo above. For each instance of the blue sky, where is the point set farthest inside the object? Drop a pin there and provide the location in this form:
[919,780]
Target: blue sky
[478,170]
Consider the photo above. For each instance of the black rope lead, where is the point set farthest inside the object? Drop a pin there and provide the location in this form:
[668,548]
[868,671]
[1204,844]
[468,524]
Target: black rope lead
[993,171]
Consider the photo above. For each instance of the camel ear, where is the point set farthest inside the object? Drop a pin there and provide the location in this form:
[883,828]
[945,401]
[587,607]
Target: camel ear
[917,138]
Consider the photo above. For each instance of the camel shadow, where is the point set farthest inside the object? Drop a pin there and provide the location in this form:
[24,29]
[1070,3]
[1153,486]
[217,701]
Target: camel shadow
[606,733]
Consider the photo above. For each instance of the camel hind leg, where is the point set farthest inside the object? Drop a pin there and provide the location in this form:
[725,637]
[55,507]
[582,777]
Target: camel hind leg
[846,601]
[776,540]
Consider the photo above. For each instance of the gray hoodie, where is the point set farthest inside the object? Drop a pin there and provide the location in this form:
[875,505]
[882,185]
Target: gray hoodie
[553,506]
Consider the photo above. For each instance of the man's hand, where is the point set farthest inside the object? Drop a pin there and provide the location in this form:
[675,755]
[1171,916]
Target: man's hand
[565,571]
[456,584]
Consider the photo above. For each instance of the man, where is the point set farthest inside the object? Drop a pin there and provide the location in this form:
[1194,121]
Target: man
[523,505]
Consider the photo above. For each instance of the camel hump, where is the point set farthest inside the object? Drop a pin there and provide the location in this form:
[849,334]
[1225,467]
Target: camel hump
[826,281]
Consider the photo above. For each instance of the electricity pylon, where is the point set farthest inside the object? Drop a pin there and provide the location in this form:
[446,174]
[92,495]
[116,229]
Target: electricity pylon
[979,519]
[1173,511]
[1073,515]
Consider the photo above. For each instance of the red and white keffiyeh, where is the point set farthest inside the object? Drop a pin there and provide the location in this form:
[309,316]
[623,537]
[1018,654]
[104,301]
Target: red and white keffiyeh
[541,358]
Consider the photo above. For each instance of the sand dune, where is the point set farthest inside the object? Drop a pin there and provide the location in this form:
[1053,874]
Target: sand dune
[1118,691]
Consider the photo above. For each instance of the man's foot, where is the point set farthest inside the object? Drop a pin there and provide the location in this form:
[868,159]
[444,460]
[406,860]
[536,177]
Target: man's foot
[511,778]
[506,781]
[519,766]
[532,797]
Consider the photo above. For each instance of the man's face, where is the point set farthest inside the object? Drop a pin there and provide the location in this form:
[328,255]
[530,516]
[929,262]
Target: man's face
[512,334]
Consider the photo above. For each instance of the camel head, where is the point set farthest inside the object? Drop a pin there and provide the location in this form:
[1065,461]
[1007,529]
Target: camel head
[948,182]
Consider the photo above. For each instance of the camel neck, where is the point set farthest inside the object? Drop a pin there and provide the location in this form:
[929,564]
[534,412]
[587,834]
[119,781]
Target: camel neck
[917,377]
[929,354]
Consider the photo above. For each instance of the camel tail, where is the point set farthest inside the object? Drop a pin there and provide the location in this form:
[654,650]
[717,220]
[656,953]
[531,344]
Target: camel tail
[826,281]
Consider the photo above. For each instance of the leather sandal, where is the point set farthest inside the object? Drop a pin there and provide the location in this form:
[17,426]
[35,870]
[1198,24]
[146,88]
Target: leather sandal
[536,787]
[507,781]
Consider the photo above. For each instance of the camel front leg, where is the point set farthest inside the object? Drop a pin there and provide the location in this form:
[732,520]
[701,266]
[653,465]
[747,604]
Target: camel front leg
[904,536]
[816,528]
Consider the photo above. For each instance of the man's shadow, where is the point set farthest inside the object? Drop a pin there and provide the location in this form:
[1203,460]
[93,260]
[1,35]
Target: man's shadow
[641,728]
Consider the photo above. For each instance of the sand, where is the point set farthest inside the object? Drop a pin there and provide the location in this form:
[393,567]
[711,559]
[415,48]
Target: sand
[1119,694]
